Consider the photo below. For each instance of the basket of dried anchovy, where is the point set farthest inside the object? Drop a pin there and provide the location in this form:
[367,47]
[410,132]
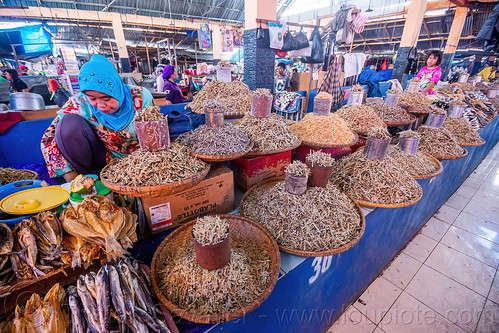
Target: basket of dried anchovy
[440,143]
[214,296]
[321,222]
[153,174]
[463,132]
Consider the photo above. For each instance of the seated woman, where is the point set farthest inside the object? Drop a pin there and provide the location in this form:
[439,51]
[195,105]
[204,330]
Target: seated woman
[94,125]
[172,90]
[431,73]
[16,84]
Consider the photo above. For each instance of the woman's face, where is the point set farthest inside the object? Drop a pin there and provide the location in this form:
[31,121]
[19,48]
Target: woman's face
[8,76]
[105,103]
[173,77]
[432,60]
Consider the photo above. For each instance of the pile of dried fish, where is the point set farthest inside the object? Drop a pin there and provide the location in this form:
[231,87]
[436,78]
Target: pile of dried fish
[439,111]
[394,91]
[224,63]
[297,169]
[360,118]
[379,133]
[147,168]
[418,98]
[456,102]
[374,100]
[210,230]
[392,114]
[208,140]
[150,113]
[439,142]
[323,95]
[262,92]
[192,288]
[321,219]
[356,88]
[463,131]
[45,315]
[481,108]
[472,118]
[319,158]
[284,99]
[269,134]
[235,96]
[213,104]
[325,130]
[409,134]
[419,109]
[118,296]
[99,221]
[381,181]
[416,165]
[9,175]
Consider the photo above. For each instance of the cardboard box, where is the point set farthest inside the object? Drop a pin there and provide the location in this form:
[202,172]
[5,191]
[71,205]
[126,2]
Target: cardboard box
[213,195]
[251,171]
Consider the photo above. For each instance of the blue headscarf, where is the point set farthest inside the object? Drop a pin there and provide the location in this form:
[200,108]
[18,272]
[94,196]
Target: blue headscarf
[100,75]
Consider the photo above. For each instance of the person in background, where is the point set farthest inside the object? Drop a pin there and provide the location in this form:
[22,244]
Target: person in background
[489,72]
[281,81]
[295,81]
[431,73]
[95,125]
[16,84]
[27,71]
[172,90]
[2,78]
[160,82]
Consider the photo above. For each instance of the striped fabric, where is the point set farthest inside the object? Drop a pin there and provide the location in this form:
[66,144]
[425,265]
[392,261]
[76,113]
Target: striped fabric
[331,82]
[358,22]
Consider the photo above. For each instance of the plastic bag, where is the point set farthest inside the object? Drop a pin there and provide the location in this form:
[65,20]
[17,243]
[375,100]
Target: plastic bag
[317,55]
[276,34]
[301,40]
[289,43]
[262,38]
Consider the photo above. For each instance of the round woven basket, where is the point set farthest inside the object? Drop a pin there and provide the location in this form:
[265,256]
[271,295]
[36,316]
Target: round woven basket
[472,144]
[464,154]
[265,153]
[436,163]
[398,205]
[241,228]
[303,253]
[158,190]
[402,123]
[222,158]
[325,146]
[30,174]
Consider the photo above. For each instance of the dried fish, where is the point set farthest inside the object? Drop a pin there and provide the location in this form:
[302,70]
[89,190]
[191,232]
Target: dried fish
[416,165]
[78,321]
[409,134]
[329,129]
[103,298]
[360,118]
[417,98]
[48,231]
[269,134]
[117,297]
[319,158]
[439,111]
[381,181]
[262,92]
[325,95]
[320,219]
[155,324]
[89,305]
[379,133]
[9,175]
[26,244]
[144,168]
[208,140]
[6,243]
[297,169]
[235,96]
[462,130]
[392,114]
[150,113]
[210,230]
[439,142]
[357,88]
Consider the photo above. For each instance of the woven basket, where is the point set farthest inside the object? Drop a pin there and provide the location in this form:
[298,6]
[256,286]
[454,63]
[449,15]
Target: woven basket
[303,253]
[402,123]
[325,146]
[241,228]
[273,152]
[398,205]
[158,190]
[464,154]
[30,174]
[222,158]
[472,145]
[436,163]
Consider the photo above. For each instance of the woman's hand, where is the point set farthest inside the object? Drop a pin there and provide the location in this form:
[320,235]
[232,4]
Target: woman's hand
[69,176]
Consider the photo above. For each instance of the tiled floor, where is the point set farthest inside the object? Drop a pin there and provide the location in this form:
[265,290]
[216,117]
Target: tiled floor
[446,279]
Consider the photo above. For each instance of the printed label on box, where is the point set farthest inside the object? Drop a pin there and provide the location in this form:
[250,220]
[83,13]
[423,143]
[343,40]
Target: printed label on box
[161,216]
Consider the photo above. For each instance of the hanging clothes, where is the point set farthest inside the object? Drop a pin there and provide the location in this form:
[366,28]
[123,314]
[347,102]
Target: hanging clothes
[354,63]
[331,82]
[340,25]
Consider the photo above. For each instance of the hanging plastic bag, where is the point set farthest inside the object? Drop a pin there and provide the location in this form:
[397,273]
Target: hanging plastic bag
[262,38]
[301,40]
[317,55]
[289,43]
[276,34]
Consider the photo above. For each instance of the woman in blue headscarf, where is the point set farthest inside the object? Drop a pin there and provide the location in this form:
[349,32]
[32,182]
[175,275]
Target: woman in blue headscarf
[96,124]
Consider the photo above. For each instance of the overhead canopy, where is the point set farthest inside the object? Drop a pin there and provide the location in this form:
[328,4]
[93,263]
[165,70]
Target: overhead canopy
[30,42]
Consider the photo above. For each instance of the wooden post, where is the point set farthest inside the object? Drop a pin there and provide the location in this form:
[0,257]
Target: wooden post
[17,60]
[148,59]
[196,53]
[111,47]
[169,51]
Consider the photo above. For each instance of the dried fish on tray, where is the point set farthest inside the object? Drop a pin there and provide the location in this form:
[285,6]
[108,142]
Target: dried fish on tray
[418,98]
[419,165]
[235,96]
[227,293]
[462,130]
[360,118]
[393,115]
[269,134]
[320,222]
[375,182]
[9,175]
[324,131]
[440,143]
[207,141]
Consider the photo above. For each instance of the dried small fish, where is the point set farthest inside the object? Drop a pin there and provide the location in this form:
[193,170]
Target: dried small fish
[103,298]
[416,165]
[208,140]
[439,142]
[409,134]
[392,114]
[78,321]
[439,111]
[417,98]
[298,169]
[150,113]
[461,129]
[48,231]
[379,133]
[357,88]
[9,175]
[26,243]
[325,95]
[90,283]
[360,118]
[6,243]
[117,297]
[235,96]
[329,129]
[394,91]
[262,92]
[210,230]
[144,168]
[319,158]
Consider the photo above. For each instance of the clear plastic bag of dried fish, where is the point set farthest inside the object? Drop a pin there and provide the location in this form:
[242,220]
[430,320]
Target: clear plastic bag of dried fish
[269,134]
[116,297]
[225,140]
[152,129]
[322,219]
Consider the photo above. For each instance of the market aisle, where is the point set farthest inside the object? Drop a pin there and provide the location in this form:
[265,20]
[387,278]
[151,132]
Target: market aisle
[446,279]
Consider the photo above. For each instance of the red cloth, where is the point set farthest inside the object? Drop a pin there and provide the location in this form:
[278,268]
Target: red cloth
[9,119]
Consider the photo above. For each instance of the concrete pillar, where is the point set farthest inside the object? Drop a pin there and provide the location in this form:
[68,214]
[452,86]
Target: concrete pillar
[410,35]
[119,36]
[453,40]
[216,42]
[258,62]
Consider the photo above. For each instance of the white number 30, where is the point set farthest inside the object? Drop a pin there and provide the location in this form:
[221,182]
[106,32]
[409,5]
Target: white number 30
[320,265]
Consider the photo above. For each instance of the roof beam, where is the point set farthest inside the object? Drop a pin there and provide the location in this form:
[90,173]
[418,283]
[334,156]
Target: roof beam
[108,5]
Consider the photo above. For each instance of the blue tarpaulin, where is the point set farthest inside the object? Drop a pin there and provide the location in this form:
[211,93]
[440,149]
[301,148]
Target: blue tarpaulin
[30,42]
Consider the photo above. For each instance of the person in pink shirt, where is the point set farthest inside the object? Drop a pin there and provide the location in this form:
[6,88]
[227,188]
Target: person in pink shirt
[431,73]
